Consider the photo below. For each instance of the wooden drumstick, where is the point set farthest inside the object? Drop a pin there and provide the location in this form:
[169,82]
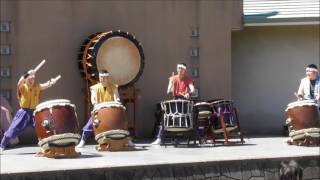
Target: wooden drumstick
[39,66]
[57,78]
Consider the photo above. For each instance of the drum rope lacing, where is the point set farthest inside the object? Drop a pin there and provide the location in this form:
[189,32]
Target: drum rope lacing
[59,139]
[170,116]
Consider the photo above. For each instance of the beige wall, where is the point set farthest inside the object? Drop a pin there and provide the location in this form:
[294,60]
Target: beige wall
[267,65]
[55,30]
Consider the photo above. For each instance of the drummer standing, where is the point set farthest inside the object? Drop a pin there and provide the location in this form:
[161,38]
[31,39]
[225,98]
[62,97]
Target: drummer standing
[28,93]
[310,85]
[180,86]
[103,91]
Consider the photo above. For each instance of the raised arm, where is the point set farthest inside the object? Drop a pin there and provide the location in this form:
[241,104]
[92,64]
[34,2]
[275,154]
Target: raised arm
[170,87]
[116,96]
[93,96]
[300,92]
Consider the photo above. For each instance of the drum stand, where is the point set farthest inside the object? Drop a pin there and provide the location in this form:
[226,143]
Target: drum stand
[208,133]
[130,95]
[176,136]
[113,145]
[227,134]
[59,152]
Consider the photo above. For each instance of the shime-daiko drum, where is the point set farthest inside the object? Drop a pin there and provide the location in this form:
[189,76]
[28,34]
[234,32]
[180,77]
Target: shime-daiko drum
[110,126]
[303,122]
[57,128]
[178,115]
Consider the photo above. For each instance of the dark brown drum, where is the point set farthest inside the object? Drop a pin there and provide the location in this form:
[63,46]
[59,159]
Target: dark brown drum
[110,122]
[56,124]
[303,121]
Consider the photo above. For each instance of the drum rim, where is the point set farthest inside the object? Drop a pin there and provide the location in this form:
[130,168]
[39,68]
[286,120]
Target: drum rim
[202,103]
[131,38]
[51,103]
[301,103]
[101,105]
[221,102]
[176,100]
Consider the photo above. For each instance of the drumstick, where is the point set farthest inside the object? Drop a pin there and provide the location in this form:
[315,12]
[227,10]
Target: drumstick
[57,78]
[39,66]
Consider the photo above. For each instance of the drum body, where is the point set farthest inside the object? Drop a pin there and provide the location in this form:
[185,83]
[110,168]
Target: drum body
[56,124]
[303,119]
[303,114]
[203,109]
[225,108]
[110,122]
[178,115]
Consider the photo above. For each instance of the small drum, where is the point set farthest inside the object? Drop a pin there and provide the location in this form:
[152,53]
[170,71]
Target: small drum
[110,122]
[225,108]
[56,124]
[178,115]
[204,110]
[303,120]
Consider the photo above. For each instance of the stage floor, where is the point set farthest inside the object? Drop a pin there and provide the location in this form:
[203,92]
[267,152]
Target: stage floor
[23,160]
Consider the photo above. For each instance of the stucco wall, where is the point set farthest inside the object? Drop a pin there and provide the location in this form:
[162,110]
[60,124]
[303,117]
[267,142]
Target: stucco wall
[267,65]
[55,30]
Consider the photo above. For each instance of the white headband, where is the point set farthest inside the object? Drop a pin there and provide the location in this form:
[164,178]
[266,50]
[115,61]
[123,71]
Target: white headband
[104,74]
[308,69]
[181,66]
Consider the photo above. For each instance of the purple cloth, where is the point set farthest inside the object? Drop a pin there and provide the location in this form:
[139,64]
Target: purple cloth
[23,119]
[161,133]
[87,130]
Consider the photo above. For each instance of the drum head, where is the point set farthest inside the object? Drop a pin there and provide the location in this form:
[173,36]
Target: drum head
[118,52]
[121,58]
[121,55]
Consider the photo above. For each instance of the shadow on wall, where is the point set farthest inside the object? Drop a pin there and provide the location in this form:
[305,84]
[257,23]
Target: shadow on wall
[252,124]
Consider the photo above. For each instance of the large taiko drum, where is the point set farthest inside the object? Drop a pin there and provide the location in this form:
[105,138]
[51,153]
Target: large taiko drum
[56,124]
[178,115]
[303,122]
[117,52]
[110,122]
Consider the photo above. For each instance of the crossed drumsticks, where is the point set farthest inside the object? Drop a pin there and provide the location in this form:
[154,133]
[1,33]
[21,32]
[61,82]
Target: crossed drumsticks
[40,65]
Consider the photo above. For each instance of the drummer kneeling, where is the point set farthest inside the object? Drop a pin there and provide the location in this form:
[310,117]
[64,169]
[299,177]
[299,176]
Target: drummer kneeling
[104,91]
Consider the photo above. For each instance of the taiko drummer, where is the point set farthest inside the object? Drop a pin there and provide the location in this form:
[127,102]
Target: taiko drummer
[28,93]
[180,86]
[103,91]
[310,85]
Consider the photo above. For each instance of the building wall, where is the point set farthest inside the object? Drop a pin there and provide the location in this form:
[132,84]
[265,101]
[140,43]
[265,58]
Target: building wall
[54,30]
[267,65]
